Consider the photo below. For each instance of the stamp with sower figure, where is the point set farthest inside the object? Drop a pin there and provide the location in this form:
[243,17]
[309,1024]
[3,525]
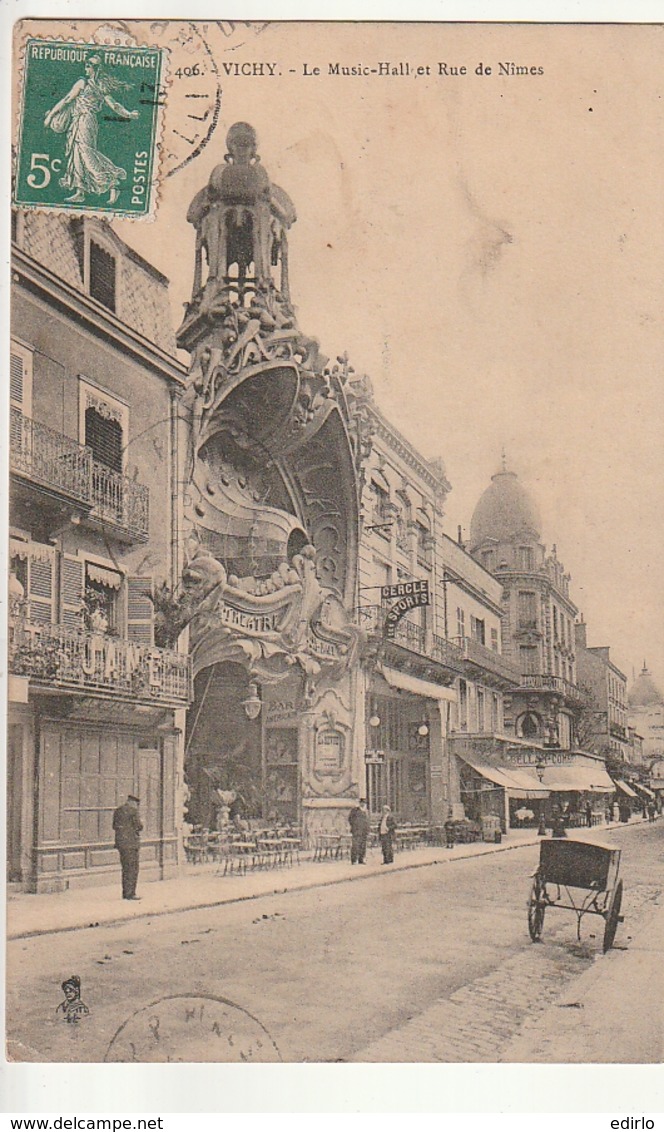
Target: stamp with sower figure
[89,127]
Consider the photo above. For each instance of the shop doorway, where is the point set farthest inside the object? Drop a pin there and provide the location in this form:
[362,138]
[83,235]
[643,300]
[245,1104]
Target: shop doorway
[14,800]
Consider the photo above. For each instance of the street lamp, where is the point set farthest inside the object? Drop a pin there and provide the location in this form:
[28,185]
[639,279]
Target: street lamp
[252,705]
[423,730]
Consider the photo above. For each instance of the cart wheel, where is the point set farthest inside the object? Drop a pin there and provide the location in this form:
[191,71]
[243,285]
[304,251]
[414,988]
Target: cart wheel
[613,917]
[536,909]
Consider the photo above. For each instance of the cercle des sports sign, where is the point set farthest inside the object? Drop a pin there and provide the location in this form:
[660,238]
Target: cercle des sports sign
[408,595]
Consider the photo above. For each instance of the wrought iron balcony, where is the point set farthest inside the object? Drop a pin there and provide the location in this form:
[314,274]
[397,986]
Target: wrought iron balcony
[488,660]
[541,682]
[57,657]
[48,458]
[121,501]
[60,464]
[411,636]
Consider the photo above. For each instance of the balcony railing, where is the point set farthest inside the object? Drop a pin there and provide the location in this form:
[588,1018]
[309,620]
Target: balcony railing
[47,457]
[119,500]
[545,683]
[93,662]
[488,659]
[55,461]
[412,636]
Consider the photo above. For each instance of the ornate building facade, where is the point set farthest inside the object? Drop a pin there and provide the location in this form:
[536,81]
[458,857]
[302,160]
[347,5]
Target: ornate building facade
[271,521]
[96,705]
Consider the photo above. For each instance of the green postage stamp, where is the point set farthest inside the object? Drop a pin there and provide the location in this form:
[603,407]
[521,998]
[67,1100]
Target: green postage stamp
[88,129]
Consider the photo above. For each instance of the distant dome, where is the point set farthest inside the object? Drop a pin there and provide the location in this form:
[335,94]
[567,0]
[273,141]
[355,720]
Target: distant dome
[644,691]
[504,512]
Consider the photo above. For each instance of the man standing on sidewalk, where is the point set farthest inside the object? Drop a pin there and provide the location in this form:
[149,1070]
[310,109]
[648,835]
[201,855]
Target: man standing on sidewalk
[128,826]
[359,830]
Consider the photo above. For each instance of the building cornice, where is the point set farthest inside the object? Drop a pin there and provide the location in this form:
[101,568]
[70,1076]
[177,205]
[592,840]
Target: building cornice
[103,322]
[408,453]
[536,578]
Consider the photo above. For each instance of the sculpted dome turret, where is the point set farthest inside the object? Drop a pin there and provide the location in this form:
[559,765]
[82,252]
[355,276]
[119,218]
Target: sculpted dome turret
[644,691]
[505,513]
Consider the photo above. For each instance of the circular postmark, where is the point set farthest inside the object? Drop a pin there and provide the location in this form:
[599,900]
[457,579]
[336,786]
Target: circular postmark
[192,1028]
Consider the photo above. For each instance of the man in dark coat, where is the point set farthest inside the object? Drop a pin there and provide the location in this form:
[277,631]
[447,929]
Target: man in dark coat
[128,826]
[359,829]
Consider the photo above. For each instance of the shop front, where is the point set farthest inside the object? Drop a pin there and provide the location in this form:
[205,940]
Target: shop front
[406,758]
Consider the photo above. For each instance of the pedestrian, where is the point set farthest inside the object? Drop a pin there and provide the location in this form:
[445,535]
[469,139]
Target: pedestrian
[127,825]
[651,811]
[450,832]
[358,820]
[386,831]
[558,823]
[589,815]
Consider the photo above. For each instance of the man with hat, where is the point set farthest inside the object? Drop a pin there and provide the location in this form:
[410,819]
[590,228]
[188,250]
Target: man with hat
[128,826]
[359,831]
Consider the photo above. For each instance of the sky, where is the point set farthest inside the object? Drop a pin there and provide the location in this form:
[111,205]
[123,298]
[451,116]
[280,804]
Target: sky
[489,249]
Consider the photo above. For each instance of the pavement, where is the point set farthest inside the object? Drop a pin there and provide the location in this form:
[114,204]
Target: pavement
[203,886]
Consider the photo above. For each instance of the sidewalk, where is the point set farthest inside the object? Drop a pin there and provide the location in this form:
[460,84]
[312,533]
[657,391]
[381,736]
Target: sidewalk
[201,887]
[613,1013]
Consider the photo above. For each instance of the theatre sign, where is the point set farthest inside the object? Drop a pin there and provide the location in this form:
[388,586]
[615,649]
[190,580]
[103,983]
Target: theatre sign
[406,596]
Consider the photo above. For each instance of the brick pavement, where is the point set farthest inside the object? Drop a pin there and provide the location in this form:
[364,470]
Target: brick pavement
[478,1022]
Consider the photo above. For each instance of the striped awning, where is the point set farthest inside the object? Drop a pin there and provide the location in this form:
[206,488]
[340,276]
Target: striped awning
[518,782]
[582,779]
[103,576]
[625,788]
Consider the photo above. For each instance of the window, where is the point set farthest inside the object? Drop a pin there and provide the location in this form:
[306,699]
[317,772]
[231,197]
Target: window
[461,622]
[494,640]
[463,705]
[20,378]
[477,630]
[528,659]
[101,599]
[529,726]
[381,508]
[487,559]
[555,623]
[527,609]
[104,436]
[495,712]
[102,276]
[525,558]
[33,564]
[480,709]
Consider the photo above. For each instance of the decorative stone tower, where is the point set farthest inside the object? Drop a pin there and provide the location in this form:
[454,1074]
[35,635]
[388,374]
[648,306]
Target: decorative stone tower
[271,520]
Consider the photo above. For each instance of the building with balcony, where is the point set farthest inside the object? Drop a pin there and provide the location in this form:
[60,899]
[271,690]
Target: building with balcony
[645,713]
[538,614]
[433,673]
[97,701]
[606,686]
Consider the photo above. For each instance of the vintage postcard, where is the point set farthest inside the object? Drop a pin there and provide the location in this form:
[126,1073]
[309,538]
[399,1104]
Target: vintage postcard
[336,681]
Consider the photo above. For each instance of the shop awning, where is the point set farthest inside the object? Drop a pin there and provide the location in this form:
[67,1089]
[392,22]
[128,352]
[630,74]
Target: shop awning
[581,779]
[644,790]
[408,683]
[519,782]
[625,788]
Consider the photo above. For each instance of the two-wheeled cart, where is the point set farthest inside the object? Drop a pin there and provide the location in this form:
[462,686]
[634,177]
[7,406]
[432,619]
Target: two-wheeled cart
[581,877]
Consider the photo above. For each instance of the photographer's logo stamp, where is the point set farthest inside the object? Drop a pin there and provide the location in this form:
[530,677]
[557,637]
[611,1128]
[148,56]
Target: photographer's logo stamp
[89,127]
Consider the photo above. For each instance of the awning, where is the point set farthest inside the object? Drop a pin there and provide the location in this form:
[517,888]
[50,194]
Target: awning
[586,779]
[625,788]
[644,790]
[519,782]
[418,687]
[103,576]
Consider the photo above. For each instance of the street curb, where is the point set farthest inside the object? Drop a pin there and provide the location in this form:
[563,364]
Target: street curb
[322,883]
[240,899]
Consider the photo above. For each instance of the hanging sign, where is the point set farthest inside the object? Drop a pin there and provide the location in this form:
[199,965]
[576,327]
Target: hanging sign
[410,595]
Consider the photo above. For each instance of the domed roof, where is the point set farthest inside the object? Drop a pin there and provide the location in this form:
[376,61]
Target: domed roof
[644,691]
[504,512]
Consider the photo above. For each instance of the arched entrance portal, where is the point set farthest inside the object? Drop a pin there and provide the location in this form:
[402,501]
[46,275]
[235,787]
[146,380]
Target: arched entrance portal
[223,746]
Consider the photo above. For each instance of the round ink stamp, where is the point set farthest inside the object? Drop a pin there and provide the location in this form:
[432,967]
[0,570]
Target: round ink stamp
[194,1028]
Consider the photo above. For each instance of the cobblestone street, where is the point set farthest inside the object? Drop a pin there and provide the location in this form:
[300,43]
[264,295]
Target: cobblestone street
[428,964]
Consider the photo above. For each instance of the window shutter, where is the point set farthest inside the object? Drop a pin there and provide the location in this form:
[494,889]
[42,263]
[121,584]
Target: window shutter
[140,610]
[71,591]
[41,591]
[16,379]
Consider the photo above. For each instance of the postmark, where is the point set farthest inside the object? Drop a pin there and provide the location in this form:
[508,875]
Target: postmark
[89,127]
[192,1028]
